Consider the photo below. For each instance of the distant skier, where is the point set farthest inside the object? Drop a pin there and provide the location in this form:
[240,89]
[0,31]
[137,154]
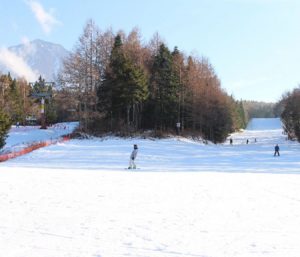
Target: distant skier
[230,140]
[247,141]
[276,150]
[133,157]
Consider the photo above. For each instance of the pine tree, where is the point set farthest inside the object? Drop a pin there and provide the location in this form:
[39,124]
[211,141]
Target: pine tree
[5,124]
[123,90]
[238,114]
[178,71]
[164,90]
[15,102]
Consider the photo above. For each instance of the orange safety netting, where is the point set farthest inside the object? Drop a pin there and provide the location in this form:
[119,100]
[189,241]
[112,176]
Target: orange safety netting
[35,146]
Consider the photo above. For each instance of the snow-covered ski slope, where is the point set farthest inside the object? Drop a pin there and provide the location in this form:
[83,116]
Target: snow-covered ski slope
[267,133]
[20,137]
[188,199]
[175,154]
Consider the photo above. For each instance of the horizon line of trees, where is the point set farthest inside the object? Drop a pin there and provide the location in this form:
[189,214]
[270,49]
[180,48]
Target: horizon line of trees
[259,109]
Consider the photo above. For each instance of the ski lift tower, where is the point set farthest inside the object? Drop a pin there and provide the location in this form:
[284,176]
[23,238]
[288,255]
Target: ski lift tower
[42,96]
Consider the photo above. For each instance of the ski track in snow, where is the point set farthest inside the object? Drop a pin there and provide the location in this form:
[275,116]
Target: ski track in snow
[188,199]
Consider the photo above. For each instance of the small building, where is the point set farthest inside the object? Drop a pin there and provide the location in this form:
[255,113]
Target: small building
[31,120]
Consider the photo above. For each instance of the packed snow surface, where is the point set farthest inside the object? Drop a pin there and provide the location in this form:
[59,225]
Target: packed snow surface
[76,199]
[20,137]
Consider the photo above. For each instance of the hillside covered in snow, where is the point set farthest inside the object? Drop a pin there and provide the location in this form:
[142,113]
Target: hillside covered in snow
[175,154]
[187,199]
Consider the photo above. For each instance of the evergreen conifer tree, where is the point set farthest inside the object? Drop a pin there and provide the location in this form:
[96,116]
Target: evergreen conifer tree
[123,90]
[164,90]
[5,124]
[15,103]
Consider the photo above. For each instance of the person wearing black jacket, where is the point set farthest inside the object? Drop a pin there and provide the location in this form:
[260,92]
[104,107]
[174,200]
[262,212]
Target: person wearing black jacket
[276,150]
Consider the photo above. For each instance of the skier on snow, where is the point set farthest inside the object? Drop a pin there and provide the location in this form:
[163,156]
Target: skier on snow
[133,157]
[276,150]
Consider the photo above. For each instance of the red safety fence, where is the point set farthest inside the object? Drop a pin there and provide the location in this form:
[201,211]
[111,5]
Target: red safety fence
[32,147]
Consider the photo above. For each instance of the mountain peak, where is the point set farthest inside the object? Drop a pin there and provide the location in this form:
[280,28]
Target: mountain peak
[43,42]
[43,57]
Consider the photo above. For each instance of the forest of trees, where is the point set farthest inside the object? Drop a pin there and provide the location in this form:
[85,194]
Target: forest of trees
[119,84]
[290,116]
[255,109]
[114,82]
[18,104]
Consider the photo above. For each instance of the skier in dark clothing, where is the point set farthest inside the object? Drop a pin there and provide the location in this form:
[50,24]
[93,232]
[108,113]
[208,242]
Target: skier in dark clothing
[276,150]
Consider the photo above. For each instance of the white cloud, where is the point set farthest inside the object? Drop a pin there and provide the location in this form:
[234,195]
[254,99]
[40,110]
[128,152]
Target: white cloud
[16,65]
[28,49]
[45,19]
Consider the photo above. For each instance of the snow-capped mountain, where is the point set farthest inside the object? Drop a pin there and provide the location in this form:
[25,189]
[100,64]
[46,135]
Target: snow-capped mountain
[43,58]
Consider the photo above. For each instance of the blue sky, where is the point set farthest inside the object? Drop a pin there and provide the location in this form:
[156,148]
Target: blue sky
[254,45]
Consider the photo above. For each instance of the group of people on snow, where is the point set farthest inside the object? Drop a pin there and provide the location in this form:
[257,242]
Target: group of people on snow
[134,152]
[276,148]
[247,141]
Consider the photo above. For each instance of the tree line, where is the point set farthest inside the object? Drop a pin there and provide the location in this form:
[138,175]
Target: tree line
[19,106]
[119,84]
[255,109]
[289,107]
